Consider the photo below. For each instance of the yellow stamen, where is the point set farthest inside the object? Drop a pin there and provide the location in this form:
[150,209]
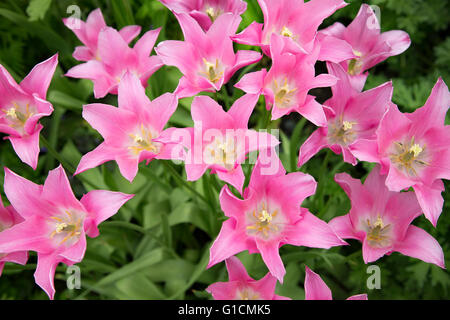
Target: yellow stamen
[416,149]
[265,216]
[347,125]
[11,113]
[286,32]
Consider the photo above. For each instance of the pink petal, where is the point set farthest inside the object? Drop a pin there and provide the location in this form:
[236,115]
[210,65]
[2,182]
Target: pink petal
[228,243]
[161,109]
[45,273]
[252,82]
[30,235]
[231,205]
[398,40]
[364,30]
[365,150]
[313,111]
[343,227]
[243,58]
[102,205]
[27,147]
[316,142]
[371,254]
[271,257]
[131,94]
[82,54]
[95,158]
[38,80]
[75,253]
[433,113]
[129,33]
[145,44]
[112,123]
[128,166]
[235,177]
[358,297]
[421,245]
[315,287]
[430,199]
[251,35]
[236,270]
[335,50]
[242,109]
[209,114]
[57,189]
[312,232]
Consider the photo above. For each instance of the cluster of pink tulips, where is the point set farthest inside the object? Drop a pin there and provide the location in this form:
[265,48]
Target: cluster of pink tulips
[410,150]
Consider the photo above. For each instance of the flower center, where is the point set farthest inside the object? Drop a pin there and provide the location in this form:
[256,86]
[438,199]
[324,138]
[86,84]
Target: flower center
[17,115]
[67,227]
[262,222]
[286,32]
[355,65]
[213,72]
[222,153]
[213,13]
[342,132]
[283,95]
[247,294]
[409,156]
[378,233]
[142,141]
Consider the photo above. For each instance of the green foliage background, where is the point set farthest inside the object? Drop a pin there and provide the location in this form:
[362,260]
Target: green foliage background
[157,246]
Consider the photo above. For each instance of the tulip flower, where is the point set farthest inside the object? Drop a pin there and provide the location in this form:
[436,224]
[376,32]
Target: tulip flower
[242,287]
[22,105]
[206,60]
[205,12]
[414,150]
[297,21]
[55,223]
[115,58]
[88,33]
[270,216]
[381,220]
[133,132]
[221,140]
[352,118]
[316,288]
[361,45]
[9,218]
[286,85]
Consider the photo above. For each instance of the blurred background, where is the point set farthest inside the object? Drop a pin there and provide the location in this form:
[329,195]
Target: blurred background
[157,246]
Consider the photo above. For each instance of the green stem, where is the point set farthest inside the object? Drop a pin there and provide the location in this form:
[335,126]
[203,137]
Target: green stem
[56,155]
[181,182]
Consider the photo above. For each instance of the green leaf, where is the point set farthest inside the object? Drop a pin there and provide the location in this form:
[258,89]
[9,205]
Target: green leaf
[37,9]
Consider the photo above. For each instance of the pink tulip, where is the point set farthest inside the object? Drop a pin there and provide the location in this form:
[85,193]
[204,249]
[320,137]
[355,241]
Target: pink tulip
[206,60]
[286,85]
[270,216]
[316,288]
[55,223]
[361,45]
[221,140]
[88,33]
[352,118]
[9,218]
[381,220]
[134,131]
[241,286]
[23,105]
[205,12]
[115,58]
[295,20]
[414,150]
